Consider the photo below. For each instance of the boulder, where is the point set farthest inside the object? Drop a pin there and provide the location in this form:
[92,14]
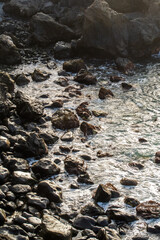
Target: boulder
[65,119]
[53,229]
[46,30]
[115,214]
[9,54]
[92,210]
[27,109]
[84,222]
[148,210]
[15,164]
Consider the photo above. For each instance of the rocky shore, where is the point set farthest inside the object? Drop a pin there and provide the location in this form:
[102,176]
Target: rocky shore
[48,121]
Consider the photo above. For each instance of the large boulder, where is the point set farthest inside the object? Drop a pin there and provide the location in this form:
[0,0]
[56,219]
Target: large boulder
[110,33]
[9,54]
[46,30]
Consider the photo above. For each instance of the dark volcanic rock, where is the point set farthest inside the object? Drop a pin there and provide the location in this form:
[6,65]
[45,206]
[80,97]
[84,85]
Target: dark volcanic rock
[149,209]
[22,80]
[15,164]
[85,77]
[118,215]
[20,177]
[27,109]
[84,222]
[50,190]
[46,30]
[74,166]
[9,53]
[74,65]
[102,194]
[65,119]
[45,168]
[92,209]
[34,200]
[131,201]
[105,93]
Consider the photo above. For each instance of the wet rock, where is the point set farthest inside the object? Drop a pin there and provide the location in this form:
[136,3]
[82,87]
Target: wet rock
[89,233]
[74,66]
[45,168]
[124,64]
[88,129]
[6,79]
[85,77]
[9,53]
[128,182]
[40,76]
[86,157]
[116,79]
[65,119]
[83,111]
[105,93]
[31,146]
[142,140]
[34,200]
[101,154]
[13,232]
[53,229]
[99,113]
[108,234]
[62,50]
[157,157]
[10,196]
[20,188]
[148,210]
[34,221]
[4,175]
[15,164]
[2,217]
[153,228]
[56,104]
[4,144]
[141,237]
[49,138]
[65,149]
[136,165]
[74,166]
[27,109]
[84,178]
[22,80]
[118,215]
[126,86]
[2,195]
[28,227]
[46,30]
[84,222]
[102,194]
[50,190]
[92,209]
[73,91]
[131,201]
[63,82]
[19,219]
[67,137]
[103,221]
[23,178]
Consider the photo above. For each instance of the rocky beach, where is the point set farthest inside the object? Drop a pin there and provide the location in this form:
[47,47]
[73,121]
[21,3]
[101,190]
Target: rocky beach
[79,120]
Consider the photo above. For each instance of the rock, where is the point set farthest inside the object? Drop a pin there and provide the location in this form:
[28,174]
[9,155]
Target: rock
[74,66]
[67,137]
[4,144]
[153,228]
[105,93]
[148,210]
[15,164]
[10,196]
[84,178]
[2,217]
[124,64]
[34,200]
[116,79]
[21,188]
[27,109]
[88,129]
[28,227]
[46,30]
[40,76]
[140,237]
[63,82]
[35,221]
[74,166]
[99,113]
[136,165]
[9,53]
[86,157]
[118,215]
[131,201]
[101,154]
[83,112]
[22,80]
[45,168]
[65,149]
[84,222]
[157,157]
[102,194]
[56,104]
[142,140]
[53,229]
[62,50]
[22,8]
[85,77]
[126,86]
[6,79]
[49,138]
[103,221]
[2,195]
[65,119]
[92,210]
[89,233]
[23,178]
[50,190]
[108,234]
[73,91]
[4,175]
[13,232]
[31,146]
[128,182]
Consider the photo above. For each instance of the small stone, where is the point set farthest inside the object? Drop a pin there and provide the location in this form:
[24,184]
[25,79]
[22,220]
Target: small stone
[86,157]
[102,194]
[92,209]
[124,65]
[128,182]
[4,144]
[116,79]
[22,80]
[83,112]
[136,165]
[103,221]
[74,65]
[108,234]
[117,215]
[74,166]
[126,86]
[20,188]
[2,217]
[131,201]
[84,222]
[23,178]
[88,129]
[84,178]
[37,201]
[56,104]
[67,137]
[105,93]
[34,221]
[85,77]
[39,76]
[142,140]
[157,157]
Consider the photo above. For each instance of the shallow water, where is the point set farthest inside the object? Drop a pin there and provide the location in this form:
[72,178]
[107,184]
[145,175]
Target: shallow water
[131,115]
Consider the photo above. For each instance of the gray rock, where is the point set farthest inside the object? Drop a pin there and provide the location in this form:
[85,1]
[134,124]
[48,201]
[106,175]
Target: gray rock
[84,222]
